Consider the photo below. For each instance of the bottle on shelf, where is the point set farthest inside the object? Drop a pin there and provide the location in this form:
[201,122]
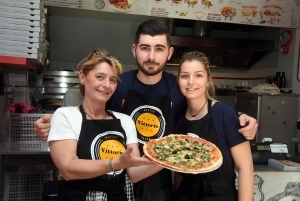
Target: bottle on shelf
[277,79]
[282,80]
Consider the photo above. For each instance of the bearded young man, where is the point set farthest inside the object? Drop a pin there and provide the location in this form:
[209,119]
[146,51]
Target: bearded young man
[151,97]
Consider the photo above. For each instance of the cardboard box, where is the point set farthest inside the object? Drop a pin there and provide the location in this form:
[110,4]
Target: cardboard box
[40,45]
[25,1]
[21,22]
[21,16]
[22,33]
[22,4]
[19,54]
[21,38]
[9,9]
[21,27]
[39,57]
[20,49]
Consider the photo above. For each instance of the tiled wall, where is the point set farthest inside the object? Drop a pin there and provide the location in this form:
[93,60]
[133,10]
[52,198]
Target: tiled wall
[247,78]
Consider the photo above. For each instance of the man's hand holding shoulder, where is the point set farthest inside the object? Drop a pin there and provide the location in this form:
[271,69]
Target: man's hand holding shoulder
[42,127]
[249,125]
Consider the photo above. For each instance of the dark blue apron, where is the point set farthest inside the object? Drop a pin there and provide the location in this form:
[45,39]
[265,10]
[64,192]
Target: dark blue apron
[152,116]
[99,139]
[218,185]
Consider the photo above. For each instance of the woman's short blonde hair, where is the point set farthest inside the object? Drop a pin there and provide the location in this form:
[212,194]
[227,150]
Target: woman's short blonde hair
[97,57]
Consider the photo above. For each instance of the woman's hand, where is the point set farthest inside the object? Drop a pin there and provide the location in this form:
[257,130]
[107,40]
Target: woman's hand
[249,125]
[130,159]
[138,168]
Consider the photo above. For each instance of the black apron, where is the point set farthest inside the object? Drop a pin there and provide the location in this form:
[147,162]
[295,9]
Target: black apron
[152,116]
[98,140]
[218,185]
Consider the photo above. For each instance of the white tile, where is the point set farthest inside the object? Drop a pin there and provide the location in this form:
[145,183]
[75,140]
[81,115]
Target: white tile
[133,67]
[243,83]
[236,83]
[239,83]
[171,69]
[53,65]
[231,83]
[72,66]
[233,73]
[222,72]
[251,83]
[216,81]
[62,65]
[126,68]
[214,72]
[250,73]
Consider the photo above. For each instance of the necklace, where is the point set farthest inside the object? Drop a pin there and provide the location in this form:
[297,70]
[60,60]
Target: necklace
[199,110]
[104,116]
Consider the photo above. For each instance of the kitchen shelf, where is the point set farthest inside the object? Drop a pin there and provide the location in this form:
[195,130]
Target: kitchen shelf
[17,62]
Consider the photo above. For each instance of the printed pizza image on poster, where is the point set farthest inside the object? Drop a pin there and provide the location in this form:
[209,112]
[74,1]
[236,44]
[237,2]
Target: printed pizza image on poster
[121,5]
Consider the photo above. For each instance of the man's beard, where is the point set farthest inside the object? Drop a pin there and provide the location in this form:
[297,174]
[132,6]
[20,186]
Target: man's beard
[150,72]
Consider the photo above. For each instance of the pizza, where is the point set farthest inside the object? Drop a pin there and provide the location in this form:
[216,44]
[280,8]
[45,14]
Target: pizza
[184,153]
[122,5]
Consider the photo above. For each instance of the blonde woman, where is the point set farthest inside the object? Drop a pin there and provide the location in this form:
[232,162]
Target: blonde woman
[218,123]
[94,148]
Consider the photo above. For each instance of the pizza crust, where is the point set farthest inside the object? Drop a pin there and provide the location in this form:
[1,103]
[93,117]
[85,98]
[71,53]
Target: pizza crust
[215,154]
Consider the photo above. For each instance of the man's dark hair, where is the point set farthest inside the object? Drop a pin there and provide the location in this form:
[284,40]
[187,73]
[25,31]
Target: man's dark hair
[153,28]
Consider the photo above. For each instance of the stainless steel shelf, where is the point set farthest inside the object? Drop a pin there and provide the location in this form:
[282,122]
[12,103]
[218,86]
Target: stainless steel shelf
[7,148]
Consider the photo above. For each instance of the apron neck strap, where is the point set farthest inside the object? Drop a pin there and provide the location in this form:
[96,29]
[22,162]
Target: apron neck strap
[209,103]
[82,112]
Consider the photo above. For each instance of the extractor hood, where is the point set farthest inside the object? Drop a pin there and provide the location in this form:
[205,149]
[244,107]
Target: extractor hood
[222,52]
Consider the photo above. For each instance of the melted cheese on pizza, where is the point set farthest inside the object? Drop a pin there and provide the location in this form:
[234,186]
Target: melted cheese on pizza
[183,152]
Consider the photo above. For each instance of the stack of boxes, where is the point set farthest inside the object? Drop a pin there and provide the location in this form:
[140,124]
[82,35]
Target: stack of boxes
[23,29]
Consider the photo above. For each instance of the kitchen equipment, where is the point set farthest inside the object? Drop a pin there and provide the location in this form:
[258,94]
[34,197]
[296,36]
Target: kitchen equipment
[261,152]
[286,90]
[36,98]
[231,53]
[3,81]
[201,28]
[56,83]
[294,146]
[286,38]
[275,114]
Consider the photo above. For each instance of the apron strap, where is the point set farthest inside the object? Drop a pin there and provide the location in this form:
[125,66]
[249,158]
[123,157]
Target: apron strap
[82,112]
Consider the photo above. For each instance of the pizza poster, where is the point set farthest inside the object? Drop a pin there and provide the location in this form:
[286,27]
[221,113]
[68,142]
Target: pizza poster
[276,13]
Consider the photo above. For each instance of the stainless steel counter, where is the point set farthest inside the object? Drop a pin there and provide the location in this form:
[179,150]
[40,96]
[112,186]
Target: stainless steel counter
[264,168]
